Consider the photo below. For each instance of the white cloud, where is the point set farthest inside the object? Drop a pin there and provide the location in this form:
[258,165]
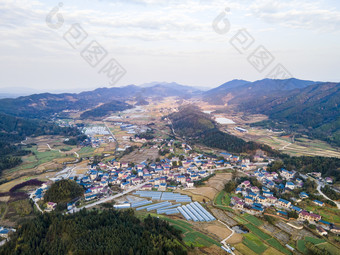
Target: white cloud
[297,14]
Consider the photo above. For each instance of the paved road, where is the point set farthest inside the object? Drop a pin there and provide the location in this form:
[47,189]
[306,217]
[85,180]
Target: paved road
[104,200]
[3,242]
[38,207]
[224,240]
[232,232]
[319,189]
[114,138]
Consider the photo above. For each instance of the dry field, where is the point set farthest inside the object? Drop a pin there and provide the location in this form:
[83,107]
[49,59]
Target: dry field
[218,230]
[301,146]
[210,189]
[235,238]
[140,155]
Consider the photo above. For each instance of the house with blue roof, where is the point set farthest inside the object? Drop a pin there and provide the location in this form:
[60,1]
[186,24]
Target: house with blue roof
[238,190]
[303,195]
[267,194]
[162,187]
[125,185]
[290,185]
[257,205]
[252,194]
[261,199]
[38,197]
[93,174]
[282,213]
[90,197]
[265,189]
[297,209]
[319,203]
[287,174]
[248,200]
[259,209]
[284,203]
[4,232]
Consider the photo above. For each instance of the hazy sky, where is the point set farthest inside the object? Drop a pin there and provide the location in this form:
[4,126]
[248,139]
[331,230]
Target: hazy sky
[165,41]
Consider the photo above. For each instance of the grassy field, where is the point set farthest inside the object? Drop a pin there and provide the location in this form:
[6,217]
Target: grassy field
[272,251]
[265,237]
[258,232]
[256,221]
[329,247]
[254,243]
[86,151]
[190,235]
[278,246]
[301,243]
[328,214]
[301,146]
[37,159]
[242,248]
[219,200]
[257,240]
[223,199]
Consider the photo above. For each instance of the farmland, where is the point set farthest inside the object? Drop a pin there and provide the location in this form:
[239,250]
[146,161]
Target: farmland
[254,243]
[191,236]
[301,146]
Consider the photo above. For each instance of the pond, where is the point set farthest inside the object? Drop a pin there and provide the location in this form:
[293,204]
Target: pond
[222,120]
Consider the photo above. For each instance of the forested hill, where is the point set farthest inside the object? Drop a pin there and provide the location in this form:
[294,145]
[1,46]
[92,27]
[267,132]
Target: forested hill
[302,106]
[105,109]
[15,129]
[191,123]
[238,91]
[46,104]
[314,110]
[93,232]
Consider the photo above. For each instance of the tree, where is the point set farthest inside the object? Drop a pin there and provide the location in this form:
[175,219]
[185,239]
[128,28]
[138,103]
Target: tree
[230,186]
[63,191]
[293,214]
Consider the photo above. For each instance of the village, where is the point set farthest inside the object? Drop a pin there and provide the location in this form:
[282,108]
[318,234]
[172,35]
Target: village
[261,200]
[112,177]
[146,170]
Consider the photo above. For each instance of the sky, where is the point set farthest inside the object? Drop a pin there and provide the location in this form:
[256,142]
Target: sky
[80,45]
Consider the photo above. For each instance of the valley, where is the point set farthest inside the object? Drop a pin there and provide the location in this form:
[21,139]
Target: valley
[184,146]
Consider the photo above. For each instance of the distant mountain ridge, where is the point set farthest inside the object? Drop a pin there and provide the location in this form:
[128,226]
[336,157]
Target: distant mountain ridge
[312,106]
[237,91]
[314,110]
[46,104]
[304,106]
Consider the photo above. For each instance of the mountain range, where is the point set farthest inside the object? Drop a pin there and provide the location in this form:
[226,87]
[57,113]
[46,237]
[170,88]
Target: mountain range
[46,104]
[309,107]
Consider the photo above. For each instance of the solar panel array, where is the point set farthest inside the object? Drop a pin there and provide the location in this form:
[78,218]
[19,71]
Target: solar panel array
[196,212]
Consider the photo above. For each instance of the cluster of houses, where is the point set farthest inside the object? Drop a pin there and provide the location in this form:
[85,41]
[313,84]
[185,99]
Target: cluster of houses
[317,175]
[164,175]
[39,193]
[255,200]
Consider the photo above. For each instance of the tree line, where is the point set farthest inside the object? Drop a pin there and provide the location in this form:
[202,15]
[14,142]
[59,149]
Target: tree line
[93,232]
